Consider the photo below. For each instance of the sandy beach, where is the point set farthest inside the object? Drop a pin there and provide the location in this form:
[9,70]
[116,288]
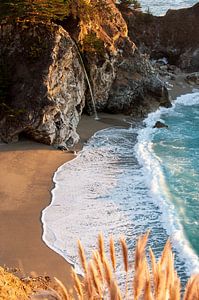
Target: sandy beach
[26,170]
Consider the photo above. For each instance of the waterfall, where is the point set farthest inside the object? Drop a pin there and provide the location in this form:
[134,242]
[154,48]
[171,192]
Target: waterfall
[88,81]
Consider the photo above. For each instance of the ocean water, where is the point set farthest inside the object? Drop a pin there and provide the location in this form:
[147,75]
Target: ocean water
[160,7]
[176,154]
[126,181]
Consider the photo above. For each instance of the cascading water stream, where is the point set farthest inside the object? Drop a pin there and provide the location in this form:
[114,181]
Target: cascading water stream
[88,81]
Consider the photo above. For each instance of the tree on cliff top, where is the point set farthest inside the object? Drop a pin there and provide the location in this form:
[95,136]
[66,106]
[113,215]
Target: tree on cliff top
[17,10]
[133,3]
[37,10]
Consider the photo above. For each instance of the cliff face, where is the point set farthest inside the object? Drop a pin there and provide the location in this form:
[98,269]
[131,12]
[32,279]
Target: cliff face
[45,89]
[174,36]
[122,78]
[127,83]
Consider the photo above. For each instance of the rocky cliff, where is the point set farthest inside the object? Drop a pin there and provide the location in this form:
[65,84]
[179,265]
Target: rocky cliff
[43,86]
[46,85]
[174,36]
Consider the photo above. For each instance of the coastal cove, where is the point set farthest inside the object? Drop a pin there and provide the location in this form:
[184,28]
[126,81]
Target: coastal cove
[26,194]
[43,162]
[99,150]
[40,161]
[113,186]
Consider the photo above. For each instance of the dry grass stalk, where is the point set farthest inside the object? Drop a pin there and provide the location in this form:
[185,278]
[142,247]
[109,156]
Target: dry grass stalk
[124,253]
[192,288]
[82,256]
[100,283]
[65,293]
[77,285]
[147,295]
[101,246]
[115,293]
[140,266]
[140,249]
[98,264]
[112,253]
[175,288]
[126,263]
[154,268]
[165,254]
[147,291]
[95,280]
[108,275]
[88,287]
[161,292]
[139,280]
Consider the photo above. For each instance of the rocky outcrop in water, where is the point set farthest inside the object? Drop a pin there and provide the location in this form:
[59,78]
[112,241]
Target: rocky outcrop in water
[193,78]
[174,36]
[159,124]
[45,84]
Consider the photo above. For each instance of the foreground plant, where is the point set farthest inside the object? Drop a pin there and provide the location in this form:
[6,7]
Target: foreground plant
[157,280]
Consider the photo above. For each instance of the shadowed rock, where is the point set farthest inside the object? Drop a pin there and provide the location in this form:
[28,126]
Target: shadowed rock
[193,78]
[159,124]
[174,36]
[46,91]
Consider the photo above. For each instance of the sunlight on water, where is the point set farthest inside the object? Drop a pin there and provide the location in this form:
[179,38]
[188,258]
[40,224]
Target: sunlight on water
[161,7]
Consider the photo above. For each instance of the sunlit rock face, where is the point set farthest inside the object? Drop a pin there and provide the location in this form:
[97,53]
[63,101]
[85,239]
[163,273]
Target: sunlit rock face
[43,76]
[122,79]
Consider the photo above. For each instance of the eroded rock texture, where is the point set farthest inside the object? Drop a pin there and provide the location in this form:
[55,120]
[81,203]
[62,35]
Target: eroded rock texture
[126,82]
[43,79]
[45,84]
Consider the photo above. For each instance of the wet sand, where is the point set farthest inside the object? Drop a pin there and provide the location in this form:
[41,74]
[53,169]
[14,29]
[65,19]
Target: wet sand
[26,171]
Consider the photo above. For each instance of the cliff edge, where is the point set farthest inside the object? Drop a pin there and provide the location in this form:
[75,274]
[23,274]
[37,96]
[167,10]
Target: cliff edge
[43,68]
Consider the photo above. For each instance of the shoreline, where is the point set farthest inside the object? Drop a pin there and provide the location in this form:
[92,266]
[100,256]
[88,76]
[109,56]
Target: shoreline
[27,169]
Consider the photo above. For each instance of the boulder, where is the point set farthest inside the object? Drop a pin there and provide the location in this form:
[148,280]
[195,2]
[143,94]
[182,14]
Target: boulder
[193,78]
[159,124]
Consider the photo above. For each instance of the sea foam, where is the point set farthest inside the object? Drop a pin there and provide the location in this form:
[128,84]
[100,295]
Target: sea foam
[115,185]
[153,170]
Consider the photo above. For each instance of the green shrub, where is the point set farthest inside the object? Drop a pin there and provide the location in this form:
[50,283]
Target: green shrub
[134,3]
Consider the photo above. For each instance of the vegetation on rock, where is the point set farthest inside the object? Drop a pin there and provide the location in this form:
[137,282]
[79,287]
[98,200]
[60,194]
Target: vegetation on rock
[94,17]
[135,4]
[32,10]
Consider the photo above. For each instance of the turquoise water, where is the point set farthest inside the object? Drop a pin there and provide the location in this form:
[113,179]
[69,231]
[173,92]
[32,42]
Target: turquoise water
[169,157]
[178,152]
[126,181]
